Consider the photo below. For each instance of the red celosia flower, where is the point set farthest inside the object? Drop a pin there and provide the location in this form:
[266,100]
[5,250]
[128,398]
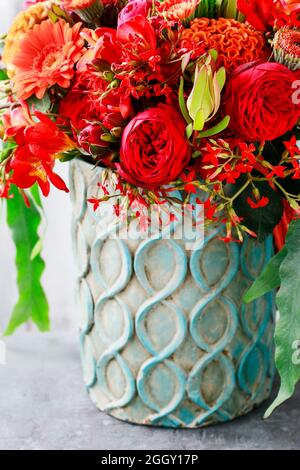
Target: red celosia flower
[154,150]
[262,202]
[47,57]
[39,145]
[258,98]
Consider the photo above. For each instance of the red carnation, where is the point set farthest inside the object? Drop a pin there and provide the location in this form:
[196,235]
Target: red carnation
[258,98]
[154,150]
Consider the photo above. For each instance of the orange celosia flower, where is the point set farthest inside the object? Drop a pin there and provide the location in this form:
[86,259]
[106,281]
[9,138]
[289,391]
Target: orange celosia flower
[47,57]
[23,23]
[175,10]
[237,43]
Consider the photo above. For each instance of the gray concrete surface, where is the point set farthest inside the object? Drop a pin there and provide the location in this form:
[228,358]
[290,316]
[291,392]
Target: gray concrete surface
[43,405]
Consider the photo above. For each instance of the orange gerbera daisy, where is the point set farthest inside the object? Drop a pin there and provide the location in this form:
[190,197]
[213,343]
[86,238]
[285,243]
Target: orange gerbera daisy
[23,23]
[47,56]
[237,43]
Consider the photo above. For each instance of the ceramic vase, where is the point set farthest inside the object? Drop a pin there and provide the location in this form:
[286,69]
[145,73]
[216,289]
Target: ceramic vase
[165,338]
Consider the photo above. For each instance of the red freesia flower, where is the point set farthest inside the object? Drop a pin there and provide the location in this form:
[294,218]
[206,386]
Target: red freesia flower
[138,38]
[154,150]
[47,56]
[133,40]
[258,98]
[39,145]
[90,107]
[103,48]
[90,100]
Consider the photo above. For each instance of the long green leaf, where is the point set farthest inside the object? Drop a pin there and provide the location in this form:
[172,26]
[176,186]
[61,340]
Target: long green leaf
[32,304]
[287,333]
[268,280]
[183,108]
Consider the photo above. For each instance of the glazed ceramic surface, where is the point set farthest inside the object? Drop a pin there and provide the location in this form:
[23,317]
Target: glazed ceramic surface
[165,339]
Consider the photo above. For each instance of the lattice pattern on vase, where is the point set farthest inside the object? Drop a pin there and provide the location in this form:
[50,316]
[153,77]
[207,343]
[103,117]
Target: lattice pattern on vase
[165,339]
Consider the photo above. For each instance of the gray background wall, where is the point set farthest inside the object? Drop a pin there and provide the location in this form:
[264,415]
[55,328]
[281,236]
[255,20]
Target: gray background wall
[60,272]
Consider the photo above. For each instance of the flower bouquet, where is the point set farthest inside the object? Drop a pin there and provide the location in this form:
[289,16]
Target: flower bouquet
[179,102]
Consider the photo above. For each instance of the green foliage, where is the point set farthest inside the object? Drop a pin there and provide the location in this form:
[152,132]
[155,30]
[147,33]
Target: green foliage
[204,100]
[268,280]
[42,105]
[287,333]
[6,149]
[24,223]
[219,9]
[3,75]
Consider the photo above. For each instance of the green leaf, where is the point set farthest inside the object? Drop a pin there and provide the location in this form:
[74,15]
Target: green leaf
[199,121]
[32,304]
[262,220]
[287,332]
[182,103]
[216,129]
[3,75]
[268,280]
[42,105]
[6,150]
[189,131]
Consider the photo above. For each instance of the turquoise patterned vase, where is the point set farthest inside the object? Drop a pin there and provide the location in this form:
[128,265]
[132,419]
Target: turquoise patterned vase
[165,339]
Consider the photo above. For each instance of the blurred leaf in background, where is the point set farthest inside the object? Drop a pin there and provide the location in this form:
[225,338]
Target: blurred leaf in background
[24,223]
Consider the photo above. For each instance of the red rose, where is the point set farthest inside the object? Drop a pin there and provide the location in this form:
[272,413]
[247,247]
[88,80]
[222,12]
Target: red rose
[258,98]
[259,13]
[154,150]
[135,8]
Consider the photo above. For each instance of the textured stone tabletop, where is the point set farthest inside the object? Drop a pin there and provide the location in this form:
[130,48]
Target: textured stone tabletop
[43,405]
